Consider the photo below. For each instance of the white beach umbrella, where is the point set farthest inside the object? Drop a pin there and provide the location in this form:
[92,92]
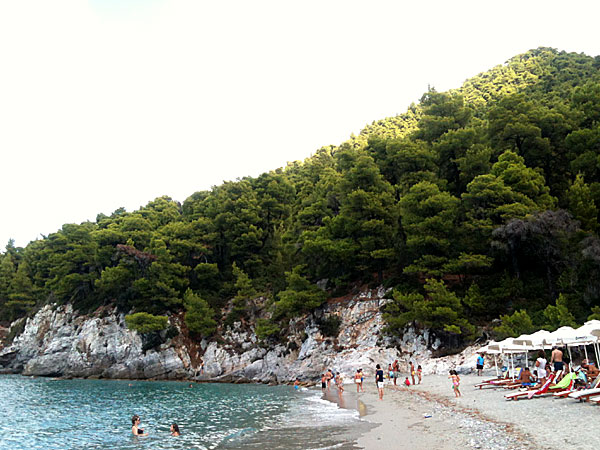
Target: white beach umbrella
[509,347]
[586,337]
[535,340]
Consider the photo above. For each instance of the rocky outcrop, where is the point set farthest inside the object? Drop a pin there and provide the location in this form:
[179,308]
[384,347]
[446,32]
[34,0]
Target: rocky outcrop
[59,342]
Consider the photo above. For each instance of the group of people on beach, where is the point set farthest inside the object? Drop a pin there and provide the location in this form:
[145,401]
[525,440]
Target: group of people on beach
[136,429]
[380,378]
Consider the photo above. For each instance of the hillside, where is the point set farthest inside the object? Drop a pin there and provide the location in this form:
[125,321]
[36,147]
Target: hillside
[476,204]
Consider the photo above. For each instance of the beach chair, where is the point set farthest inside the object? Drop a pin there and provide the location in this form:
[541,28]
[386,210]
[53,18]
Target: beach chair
[532,392]
[498,382]
[585,395]
[566,384]
[580,376]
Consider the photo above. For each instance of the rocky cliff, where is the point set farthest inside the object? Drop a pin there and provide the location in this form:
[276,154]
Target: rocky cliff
[59,342]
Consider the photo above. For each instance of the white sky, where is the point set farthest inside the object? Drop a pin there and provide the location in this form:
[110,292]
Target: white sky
[109,103]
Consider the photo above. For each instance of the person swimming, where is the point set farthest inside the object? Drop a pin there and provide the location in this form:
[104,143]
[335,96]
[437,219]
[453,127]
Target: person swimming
[135,428]
[175,430]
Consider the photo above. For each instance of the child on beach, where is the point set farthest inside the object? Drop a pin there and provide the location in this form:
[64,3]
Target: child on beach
[419,373]
[455,382]
[406,382]
[390,372]
[297,384]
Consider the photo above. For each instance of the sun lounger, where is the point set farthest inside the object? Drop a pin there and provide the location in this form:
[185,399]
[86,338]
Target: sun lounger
[495,383]
[564,394]
[585,394]
[532,392]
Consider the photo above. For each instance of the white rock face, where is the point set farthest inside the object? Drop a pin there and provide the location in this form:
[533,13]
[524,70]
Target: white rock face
[58,342]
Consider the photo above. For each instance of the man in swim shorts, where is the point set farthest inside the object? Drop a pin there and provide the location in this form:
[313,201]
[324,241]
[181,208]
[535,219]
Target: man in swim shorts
[557,359]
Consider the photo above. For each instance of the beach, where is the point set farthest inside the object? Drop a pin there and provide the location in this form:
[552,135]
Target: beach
[481,418]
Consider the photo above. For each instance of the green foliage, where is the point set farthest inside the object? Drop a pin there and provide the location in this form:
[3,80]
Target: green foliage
[515,325]
[581,203]
[199,316]
[464,186]
[266,329]
[595,313]
[440,310]
[146,323]
[559,315]
[299,297]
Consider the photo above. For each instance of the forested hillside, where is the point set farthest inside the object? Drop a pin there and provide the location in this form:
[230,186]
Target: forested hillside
[476,204]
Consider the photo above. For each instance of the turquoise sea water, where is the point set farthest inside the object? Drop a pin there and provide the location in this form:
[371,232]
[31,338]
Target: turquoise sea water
[40,413]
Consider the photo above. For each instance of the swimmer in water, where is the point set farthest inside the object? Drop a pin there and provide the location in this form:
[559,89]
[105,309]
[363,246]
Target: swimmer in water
[175,430]
[135,428]
[297,384]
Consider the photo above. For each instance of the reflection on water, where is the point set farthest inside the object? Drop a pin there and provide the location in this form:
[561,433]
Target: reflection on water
[96,414]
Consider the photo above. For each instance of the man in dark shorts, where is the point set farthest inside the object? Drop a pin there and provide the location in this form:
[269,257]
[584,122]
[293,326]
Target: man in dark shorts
[557,359]
[480,362]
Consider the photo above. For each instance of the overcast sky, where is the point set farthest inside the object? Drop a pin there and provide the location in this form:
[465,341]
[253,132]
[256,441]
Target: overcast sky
[110,103]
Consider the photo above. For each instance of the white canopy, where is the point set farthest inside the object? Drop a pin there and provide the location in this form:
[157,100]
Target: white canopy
[571,337]
[586,332]
[535,340]
[508,346]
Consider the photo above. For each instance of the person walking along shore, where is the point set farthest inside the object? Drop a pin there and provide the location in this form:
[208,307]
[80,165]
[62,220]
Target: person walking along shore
[379,380]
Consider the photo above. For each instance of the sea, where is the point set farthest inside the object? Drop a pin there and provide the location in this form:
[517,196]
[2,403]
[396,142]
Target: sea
[54,414]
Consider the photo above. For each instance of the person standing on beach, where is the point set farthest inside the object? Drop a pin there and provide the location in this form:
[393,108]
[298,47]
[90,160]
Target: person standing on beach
[362,378]
[379,380]
[419,373]
[557,359]
[396,368]
[540,364]
[412,372]
[329,376]
[340,383]
[455,383]
[357,380]
[480,363]
[323,382]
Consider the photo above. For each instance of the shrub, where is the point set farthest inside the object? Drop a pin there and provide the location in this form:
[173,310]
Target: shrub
[146,323]
[517,324]
[199,316]
[330,325]
[266,329]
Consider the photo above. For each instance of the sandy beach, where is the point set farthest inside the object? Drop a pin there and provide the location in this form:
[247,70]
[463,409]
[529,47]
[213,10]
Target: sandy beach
[479,419]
